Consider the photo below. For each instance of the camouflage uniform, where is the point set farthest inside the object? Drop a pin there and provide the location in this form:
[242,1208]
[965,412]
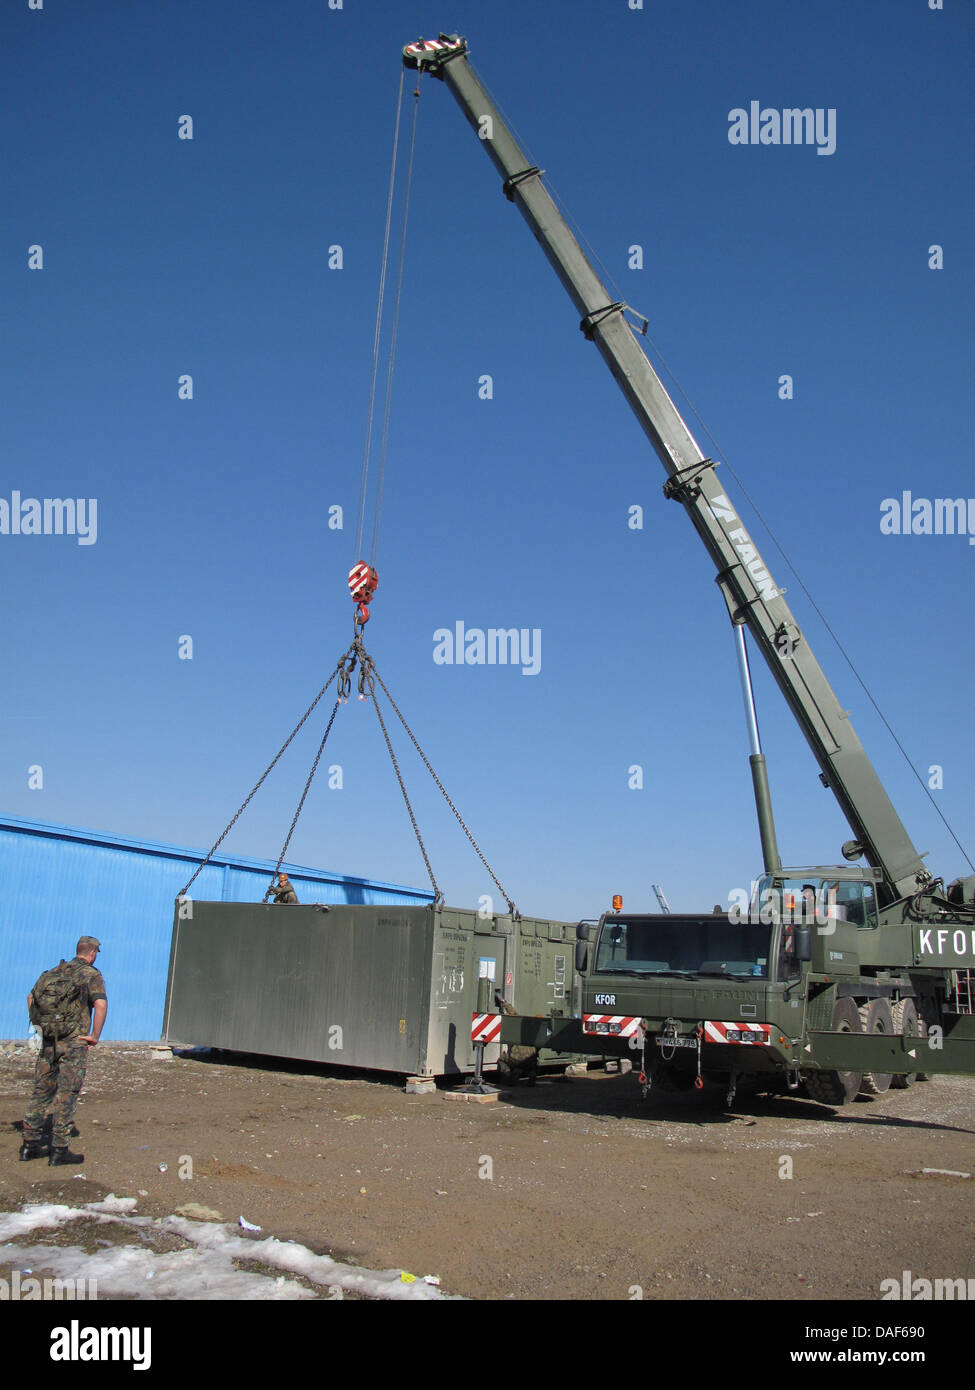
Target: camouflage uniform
[59,1073]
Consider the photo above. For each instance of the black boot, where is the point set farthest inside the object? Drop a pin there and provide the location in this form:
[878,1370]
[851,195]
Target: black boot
[31,1148]
[64,1156]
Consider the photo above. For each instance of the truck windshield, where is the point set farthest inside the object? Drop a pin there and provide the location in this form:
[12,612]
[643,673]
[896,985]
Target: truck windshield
[678,945]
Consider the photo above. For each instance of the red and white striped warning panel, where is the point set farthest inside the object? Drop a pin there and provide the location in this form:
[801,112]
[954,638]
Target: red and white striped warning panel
[618,1025]
[751,1034]
[363,582]
[424,47]
[486,1028]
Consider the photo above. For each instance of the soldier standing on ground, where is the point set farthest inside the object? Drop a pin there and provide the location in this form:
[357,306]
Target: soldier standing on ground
[283,891]
[68,1005]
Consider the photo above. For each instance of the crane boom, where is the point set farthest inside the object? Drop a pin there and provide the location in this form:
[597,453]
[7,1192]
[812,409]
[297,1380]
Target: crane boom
[752,596]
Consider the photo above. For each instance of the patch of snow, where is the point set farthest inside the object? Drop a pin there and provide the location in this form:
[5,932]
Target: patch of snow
[205,1270]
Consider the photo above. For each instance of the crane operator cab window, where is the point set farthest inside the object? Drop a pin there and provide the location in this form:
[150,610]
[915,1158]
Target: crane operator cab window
[818,901]
[855,902]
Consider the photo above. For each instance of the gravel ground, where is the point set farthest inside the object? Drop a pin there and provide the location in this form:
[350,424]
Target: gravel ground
[574,1189]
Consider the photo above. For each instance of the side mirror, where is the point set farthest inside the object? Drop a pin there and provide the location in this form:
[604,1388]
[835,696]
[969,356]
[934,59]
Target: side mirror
[582,931]
[803,943]
[582,956]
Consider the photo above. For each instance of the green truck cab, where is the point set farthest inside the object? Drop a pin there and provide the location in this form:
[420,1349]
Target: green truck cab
[805,984]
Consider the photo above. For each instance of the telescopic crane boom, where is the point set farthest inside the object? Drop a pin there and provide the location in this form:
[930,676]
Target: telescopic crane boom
[752,595]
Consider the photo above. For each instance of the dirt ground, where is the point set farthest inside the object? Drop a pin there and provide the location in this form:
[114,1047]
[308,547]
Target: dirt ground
[574,1189]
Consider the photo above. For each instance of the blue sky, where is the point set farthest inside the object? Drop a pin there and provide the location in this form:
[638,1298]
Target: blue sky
[164,256]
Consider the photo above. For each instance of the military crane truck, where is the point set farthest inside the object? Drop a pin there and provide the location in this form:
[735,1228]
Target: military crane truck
[848,977]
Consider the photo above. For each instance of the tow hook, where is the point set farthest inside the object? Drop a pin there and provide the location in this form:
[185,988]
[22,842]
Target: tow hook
[646,1079]
[668,1039]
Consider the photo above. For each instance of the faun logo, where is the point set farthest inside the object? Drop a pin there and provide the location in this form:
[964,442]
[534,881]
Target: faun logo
[747,553]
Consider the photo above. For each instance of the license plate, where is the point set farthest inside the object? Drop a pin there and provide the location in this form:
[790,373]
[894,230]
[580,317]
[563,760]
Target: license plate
[675,1042]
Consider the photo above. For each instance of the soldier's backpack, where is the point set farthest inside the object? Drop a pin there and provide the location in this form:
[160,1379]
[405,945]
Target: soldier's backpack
[60,1002]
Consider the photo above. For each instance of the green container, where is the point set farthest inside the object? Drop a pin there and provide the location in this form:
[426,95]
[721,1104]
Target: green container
[391,988]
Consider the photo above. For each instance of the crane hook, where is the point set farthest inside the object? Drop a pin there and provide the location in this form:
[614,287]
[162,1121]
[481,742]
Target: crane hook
[363,582]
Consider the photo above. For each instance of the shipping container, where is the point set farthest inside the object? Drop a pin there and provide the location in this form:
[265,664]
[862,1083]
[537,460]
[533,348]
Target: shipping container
[390,988]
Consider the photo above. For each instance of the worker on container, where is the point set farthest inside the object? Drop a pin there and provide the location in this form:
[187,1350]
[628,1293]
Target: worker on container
[283,891]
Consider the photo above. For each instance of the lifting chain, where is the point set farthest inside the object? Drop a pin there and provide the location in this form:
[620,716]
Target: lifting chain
[443,792]
[314,768]
[263,778]
[699,1079]
[366,673]
[356,657]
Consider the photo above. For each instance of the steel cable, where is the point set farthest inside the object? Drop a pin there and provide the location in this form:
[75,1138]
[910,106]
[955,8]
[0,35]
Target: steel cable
[364,478]
[394,334]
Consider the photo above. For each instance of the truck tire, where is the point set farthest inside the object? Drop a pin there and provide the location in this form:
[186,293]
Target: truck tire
[906,1022]
[876,1017]
[837,1087]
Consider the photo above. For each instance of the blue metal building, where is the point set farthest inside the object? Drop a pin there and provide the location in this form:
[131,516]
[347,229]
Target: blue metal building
[59,883]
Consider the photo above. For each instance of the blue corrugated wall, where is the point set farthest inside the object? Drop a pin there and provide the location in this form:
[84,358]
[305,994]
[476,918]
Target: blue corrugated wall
[58,883]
